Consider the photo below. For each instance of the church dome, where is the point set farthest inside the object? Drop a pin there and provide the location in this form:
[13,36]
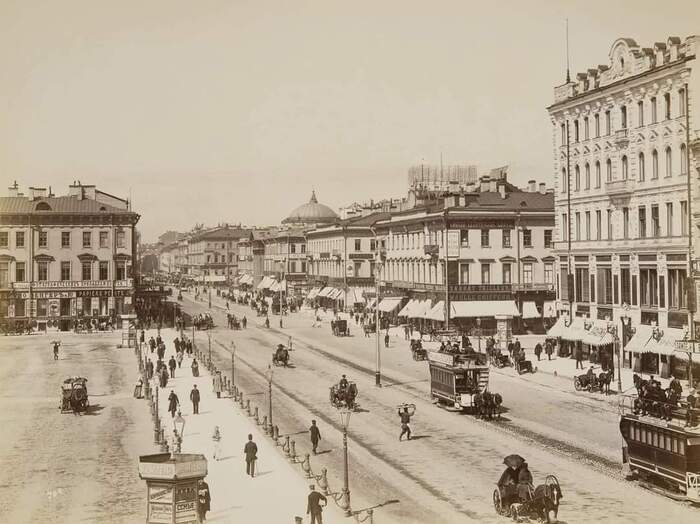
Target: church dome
[311,213]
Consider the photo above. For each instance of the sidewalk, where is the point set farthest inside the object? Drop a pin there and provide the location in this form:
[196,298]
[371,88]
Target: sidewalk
[276,494]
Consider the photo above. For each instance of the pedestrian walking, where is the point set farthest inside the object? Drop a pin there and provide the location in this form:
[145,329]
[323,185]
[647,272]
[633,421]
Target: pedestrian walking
[549,349]
[163,377]
[405,428]
[149,369]
[579,356]
[204,496]
[179,358]
[314,508]
[172,364]
[217,383]
[251,455]
[142,338]
[173,403]
[538,351]
[216,437]
[386,339]
[152,344]
[161,350]
[194,397]
[56,344]
[315,435]
[244,322]
[406,334]
[195,368]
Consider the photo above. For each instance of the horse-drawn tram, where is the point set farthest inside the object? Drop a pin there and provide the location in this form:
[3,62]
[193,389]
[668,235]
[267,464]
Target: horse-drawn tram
[458,379]
[661,446]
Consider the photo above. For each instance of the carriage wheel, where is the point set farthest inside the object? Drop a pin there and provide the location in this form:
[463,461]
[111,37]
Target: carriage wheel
[577,384]
[498,502]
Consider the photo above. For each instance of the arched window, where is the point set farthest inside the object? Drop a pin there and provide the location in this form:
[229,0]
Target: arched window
[577,179]
[669,162]
[623,117]
[667,106]
[642,167]
[608,170]
[684,160]
[654,164]
[576,134]
[624,168]
[597,173]
[563,134]
[587,176]
[563,180]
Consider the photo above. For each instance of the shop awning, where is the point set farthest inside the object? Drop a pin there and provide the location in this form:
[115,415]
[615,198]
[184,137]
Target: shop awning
[336,294]
[597,333]
[557,329]
[575,331]
[371,303]
[313,293]
[324,292]
[421,309]
[408,308]
[354,296]
[549,310]
[265,283]
[437,312]
[665,345]
[483,308]
[530,310]
[246,279]
[389,304]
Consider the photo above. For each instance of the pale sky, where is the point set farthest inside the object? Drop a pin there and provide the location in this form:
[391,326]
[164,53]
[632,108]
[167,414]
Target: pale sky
[211,111]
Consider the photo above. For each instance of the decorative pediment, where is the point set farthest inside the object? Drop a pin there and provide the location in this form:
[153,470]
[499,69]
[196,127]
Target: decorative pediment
[507,259]
[667,132]
[607,147]
[122,256]
[640,138]
[528,258]
[549,258]
[43,257]
[7,258]
[596,148]
[653,135]
[87,257]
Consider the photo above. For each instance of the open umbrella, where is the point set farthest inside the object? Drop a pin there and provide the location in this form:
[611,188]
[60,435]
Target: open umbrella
[513,461]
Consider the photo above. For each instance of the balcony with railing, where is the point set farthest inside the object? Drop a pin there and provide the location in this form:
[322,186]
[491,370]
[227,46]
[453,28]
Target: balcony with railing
[620,188]
[621,138]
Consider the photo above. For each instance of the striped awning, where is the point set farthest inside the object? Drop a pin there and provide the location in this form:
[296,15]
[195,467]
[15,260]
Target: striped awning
[336,294]
[421,310]
[354,296]
[325,291]
[313,293]
[437,312]
[408,308]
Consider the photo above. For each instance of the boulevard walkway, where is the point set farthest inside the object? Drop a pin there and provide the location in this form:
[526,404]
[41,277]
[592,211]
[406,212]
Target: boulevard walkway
[276,494]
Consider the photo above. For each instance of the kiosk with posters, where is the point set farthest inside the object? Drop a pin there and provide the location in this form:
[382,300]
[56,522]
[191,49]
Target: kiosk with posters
[171,482]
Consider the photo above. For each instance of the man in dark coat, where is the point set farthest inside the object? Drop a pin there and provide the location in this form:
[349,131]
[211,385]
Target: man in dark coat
[194,397]
[549,349]
[152,344]
[173,403]
[172,364]
[142,339]
[579,357]
[315,435]
[163,377]
[538,350]
[161,350]
[149,369]
[386,339]
[313,506]
[251,455]
[204,499]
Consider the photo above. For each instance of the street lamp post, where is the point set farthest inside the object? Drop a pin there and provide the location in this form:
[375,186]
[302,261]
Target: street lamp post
[178,433]
[233,363]
[268,376]
[377,269]
[345,421]
[209,288]
[612,329]
[209,340]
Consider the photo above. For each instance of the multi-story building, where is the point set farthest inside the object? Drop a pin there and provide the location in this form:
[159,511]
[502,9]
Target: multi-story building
[167,258]
[341,258]
[67,257]
[251,257]
[486,251]
[284,261]
[623,200]
[212,255]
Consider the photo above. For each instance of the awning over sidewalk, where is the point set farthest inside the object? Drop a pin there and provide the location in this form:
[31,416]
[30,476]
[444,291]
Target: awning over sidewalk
[265,283]
[483,308]
[530,310]
[336,294]
[246,279]
[437,312]
[389,304]
[421,309]
[643,341]
[597,334]
[325,291]
[313,293]
[354,296]
[557,329]
[408,308]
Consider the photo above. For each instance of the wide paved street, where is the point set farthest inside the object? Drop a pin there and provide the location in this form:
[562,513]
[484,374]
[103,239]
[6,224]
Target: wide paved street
[452,465]
[61,467]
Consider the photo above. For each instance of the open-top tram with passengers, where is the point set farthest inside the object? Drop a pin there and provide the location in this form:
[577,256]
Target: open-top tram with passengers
[662,446]
[457,379]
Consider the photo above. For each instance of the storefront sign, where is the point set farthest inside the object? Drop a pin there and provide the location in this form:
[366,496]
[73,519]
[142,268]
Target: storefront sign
[361,256]
[687,346]
[185,512]
[160,513]
[442,358]
[52,294]
[74,284]
[160,493]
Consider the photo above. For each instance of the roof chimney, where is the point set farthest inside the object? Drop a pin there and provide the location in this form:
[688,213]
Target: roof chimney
[37,192]
[13,190]
[485,182]
[543,188]
[532,186]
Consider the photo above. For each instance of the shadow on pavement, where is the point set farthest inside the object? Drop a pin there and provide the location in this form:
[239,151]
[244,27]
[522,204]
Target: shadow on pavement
[94,409]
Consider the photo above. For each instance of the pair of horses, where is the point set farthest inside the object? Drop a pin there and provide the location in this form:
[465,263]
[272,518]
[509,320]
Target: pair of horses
[654,401]
[344,397]
[487,405]
[593,382]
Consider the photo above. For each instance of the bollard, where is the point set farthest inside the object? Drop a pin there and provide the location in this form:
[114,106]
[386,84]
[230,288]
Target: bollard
[323,481]
[306,466]
[276,434]
[156,435]
[257,418]
[240,398]
[247,406]
[293,452]
[285,446]
[264,424]
[162,435]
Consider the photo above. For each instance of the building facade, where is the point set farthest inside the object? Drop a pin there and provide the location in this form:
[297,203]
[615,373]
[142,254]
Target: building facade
[285,260]
[65,258]
[484,252]
[342,256]
[212,255]
[624,196]
[251,257]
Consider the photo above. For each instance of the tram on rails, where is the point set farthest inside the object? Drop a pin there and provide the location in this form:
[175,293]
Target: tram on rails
[663,452]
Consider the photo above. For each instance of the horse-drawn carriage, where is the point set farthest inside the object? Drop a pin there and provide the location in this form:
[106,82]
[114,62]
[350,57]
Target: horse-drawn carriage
[515,496]
[344,397]
[498,359]
[591,382]
[74,395]
[524,365]
[418,352]
[339,328]
[203,321]
[280,357]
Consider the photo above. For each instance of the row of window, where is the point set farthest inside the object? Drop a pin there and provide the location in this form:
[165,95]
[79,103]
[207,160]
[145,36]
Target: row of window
[66,238]
[82,305]
[336,269]
[646,227]
[42,271]
[319,246]
[414,240]
[291,266]
[656,437]
[624,161]
[611,288]
[276,249]
[582,132]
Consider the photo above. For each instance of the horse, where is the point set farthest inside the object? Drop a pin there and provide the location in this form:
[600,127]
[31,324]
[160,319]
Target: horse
[546,499]
[604,380]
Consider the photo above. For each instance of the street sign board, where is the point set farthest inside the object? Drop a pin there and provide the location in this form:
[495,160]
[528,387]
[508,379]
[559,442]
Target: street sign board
[688,346]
